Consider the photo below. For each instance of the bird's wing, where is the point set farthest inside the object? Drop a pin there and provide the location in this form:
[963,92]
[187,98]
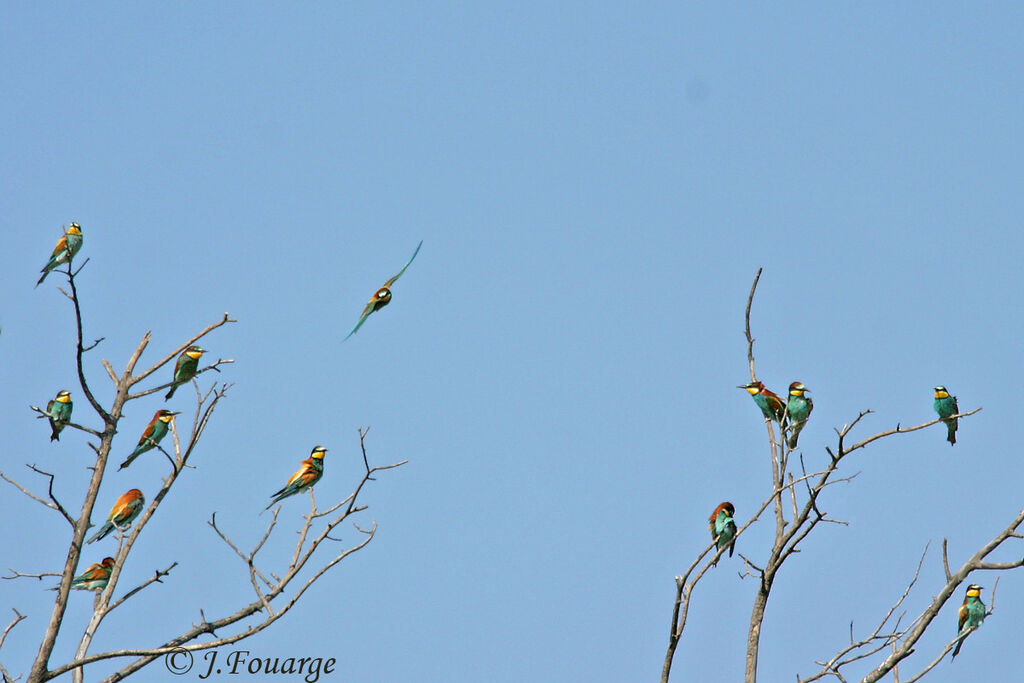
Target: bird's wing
[392,280]
[300,475]
[362,319]
[962,614]
[124,509]
[62,244]
[96,571]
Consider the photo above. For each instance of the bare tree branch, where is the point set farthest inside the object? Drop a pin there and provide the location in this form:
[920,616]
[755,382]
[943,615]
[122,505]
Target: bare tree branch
[15,574]
[18,616]
[876,640]
[53,503]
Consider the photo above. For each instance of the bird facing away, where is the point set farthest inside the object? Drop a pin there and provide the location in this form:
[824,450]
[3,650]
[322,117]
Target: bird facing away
[94,578]
[945,405]
[155,430]
[67,246]
[382,297]
[723,527]
[121,516]
[308,474]
[60,412]
[185,368]
[799,408]
[768,401]
[971,614]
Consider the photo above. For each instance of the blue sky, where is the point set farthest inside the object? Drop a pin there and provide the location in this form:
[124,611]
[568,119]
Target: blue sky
[596,186]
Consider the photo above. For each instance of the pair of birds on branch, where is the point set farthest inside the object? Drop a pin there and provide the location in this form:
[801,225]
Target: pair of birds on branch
[791,414]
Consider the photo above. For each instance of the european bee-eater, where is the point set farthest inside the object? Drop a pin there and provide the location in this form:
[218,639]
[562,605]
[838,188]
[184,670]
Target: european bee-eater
[382,297]
[307,475]
[971,614]
[155,430]
[945,405]
[60,413]
[768,401]
[121,516]
[67,246]
[185,368]
[94,578]
[799,408]
[723,527]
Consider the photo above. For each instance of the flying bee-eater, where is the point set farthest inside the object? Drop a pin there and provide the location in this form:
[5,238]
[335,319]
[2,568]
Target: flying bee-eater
[59,409]
[67,246]
[94,578]
[121,516]
[945,405]
[185,368]
[768,401]
[970,615]
[382,297]
[723,527]
[799,408]
[155,430]
[308,474]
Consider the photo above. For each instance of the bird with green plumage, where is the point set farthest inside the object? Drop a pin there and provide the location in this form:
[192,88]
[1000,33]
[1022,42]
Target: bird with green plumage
[945,406]
[970,615]
[768,401]
[59,409]
[186,367]
[799,408]
[67,246]
[723,527]
[151,435]
[382,297]
[306,476]
[95,578]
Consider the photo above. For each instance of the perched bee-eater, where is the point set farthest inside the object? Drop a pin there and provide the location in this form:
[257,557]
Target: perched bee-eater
[768,401]
[307,475]
[799,408]
[94,578]
[67,246]
[971,614]
[185,368]
[121,516]
[382,297]
[60,413]
[945,405]
[723,527]
[155,430]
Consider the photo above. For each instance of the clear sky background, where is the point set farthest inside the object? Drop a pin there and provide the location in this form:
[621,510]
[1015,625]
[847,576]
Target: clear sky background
[596,186]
